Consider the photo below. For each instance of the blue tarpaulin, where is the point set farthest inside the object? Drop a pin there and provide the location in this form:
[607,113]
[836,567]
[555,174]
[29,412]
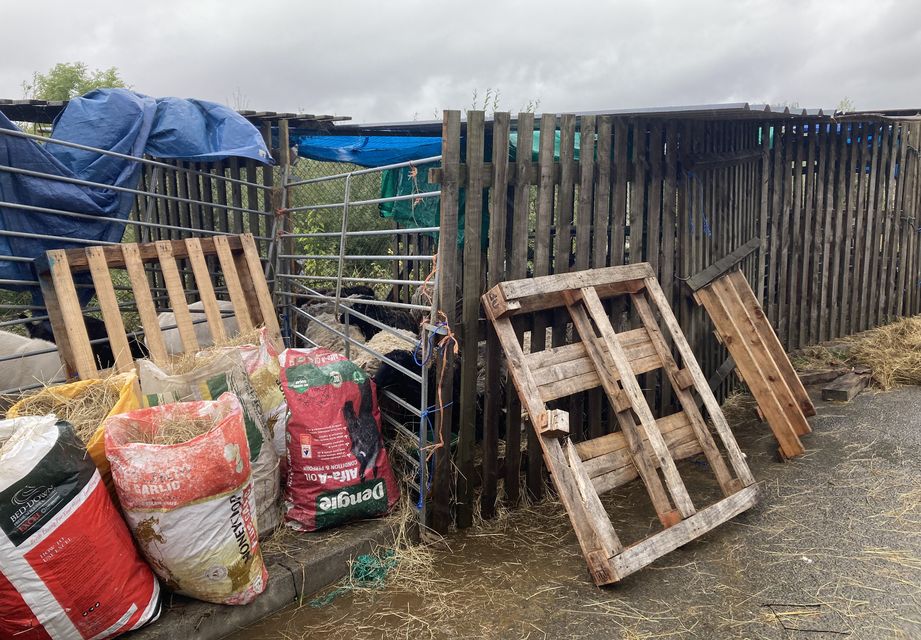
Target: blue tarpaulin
[112,120]
[367,151]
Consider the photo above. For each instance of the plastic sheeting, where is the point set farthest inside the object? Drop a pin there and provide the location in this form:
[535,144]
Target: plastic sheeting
[112,120]
[367,151]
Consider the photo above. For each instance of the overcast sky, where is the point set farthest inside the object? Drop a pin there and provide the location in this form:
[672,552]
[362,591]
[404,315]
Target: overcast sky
[404,60]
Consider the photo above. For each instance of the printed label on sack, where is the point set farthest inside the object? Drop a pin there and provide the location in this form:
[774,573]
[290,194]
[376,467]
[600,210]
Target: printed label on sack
[26,505]
[332,374]
[306,446]
[358,501]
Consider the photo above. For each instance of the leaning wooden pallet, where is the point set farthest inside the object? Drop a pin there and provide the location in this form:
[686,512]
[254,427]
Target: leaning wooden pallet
[240,267]
[643,446]
[743,328]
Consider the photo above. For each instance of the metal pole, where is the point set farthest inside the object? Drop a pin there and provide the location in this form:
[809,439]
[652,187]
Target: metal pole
[342,240]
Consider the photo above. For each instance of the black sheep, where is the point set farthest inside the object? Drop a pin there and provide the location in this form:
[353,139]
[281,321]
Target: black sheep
[396,318]
[95,329]
[363,431]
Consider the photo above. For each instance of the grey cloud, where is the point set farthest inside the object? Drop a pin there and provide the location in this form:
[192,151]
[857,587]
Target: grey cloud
[386,61]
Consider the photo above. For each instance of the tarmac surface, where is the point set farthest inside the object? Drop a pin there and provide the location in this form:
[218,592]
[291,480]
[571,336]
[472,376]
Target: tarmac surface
[832,550]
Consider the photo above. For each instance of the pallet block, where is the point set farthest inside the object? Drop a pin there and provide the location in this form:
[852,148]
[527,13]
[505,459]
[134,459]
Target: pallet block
[643,447]
[239,263]
[764,366]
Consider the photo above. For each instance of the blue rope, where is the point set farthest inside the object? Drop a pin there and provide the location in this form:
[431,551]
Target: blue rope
[422,461]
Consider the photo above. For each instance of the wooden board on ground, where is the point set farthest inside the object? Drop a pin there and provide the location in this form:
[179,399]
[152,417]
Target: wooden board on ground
[644,447]
[240,264]
[845,388]
[764,366]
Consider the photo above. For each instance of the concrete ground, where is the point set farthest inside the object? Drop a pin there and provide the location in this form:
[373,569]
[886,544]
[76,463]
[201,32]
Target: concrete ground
[298,565]
[832,550]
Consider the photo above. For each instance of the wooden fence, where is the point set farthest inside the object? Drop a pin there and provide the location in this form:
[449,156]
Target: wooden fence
[832,203]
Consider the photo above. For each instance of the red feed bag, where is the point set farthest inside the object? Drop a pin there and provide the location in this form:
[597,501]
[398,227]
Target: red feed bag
[338,469]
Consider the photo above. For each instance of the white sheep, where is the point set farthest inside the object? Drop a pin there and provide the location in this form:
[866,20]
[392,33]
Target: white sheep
[172,339]
[383,342]
[320,336]
[29,367]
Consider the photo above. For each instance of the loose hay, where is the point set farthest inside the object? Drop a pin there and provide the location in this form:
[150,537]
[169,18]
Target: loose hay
[892,352]
[85,411]
[179,428]
[190,360]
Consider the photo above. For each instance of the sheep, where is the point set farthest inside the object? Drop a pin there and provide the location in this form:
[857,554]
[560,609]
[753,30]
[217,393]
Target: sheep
[383,342]
[95,330]
[172,339]
[321,336]
[396,318]
[29,367]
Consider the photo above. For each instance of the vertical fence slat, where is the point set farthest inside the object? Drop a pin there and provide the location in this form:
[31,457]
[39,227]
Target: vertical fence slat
[828,231]
[447,298]
[517,269]
[886,210]
[495,273]
[801,303]
[542,229]
[601,216]
[472,279]
[818,226]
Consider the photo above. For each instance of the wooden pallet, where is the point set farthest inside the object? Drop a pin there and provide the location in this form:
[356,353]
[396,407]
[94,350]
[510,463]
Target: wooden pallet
[762,363]
[240,266]
[643,446]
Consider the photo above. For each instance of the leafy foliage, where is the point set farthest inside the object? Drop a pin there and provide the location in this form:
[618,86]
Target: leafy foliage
[67,80]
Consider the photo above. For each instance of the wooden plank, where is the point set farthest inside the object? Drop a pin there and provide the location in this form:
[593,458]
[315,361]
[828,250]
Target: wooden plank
[722,266]
[541,263]
[261,289]
[771,342]
[764,210]
[759,371]
[669,220]
[684,396]
[736,458]
[885,284]
[602,194]
[586,191]
[536,294]
[563,248]
[495,273]
[176,292]
[56,318]
[819,227]
[805,260]
[579,374]
[71,315]
[146,252]
[675,429]
[147,311]
[791,158]
[905,178]
[440,511]
[869,247]
[894,205]
[111,313]
[472,275]
[795,257]
[568,492]
[206,290]
[845,388]
[642,458]
[620,175]
[598,517]
[630,386]
[234,287]
[641,554]
[826,313]
[777,167]
[851,217]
